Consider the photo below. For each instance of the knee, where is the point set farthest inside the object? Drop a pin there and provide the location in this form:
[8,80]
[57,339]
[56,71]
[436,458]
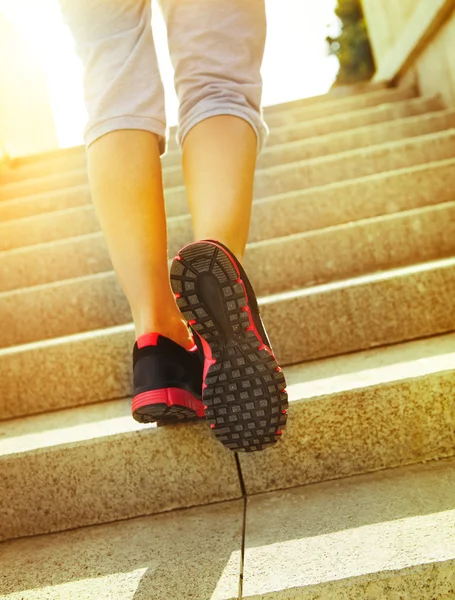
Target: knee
[206,97]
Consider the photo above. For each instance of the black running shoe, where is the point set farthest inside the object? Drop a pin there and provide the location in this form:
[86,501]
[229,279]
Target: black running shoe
[244,388]
[167,380]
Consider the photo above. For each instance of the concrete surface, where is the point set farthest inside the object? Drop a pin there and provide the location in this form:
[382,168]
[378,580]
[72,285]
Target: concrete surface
[274,119]
[276,180]
[388,535]
[96,464]
[340,317]
[347,415]
[189,554]
[275,216]
[361,412]
[96,300]
[340,105]
[332,252]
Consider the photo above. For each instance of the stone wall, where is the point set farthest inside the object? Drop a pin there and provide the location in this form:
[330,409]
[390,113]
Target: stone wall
[414,39]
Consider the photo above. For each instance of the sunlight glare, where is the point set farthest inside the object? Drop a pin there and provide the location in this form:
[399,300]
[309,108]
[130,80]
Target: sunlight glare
[296,62]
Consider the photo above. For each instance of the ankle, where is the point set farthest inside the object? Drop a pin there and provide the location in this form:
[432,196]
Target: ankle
[175,329]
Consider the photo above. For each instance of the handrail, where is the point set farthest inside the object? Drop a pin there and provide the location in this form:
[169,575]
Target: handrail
[425,22]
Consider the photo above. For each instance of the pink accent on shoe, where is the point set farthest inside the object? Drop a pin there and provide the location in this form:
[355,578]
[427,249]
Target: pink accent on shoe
[147,339]
[208,358]
[170,397]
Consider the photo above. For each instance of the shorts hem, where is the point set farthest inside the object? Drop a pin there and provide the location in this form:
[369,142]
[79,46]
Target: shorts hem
[261,131]
[127,122]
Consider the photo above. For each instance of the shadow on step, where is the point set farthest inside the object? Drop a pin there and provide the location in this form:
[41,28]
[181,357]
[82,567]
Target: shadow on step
[192,553]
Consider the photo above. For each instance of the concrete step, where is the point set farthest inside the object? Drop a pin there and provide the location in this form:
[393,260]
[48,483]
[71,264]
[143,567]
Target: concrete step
[389,535]
[352,120]
[288,213]
[331,319]
[330,253]
[362,137]
[335,93]
[276,180]
[95,301]
[386,534]
[172,173]
[350,415]
[338,106]
[99,460]
[132,559]
[362,412]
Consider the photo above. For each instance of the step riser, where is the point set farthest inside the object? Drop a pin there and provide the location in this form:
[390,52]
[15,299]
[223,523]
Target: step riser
[279,216]
[279,180]
[336,436]
[362,317]
[360,163]
[327,254]
[361,138]
[358,431]
[336,93]
[285,118]
[73,258]
[111,478]
[173,176]
[353,120]
[45,203]
[97,302]
[336,321]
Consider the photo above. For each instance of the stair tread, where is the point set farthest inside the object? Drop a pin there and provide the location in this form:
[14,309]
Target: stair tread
[300,174]
[181,554]
[306,382]
[386,534]
[46,219]
[308,541]
[330,251]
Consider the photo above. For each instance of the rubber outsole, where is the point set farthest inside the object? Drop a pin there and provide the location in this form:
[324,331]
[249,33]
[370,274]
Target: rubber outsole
[244,388]
[166,406]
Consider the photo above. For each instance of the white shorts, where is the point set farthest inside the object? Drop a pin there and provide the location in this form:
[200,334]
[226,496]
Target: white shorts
[216,48]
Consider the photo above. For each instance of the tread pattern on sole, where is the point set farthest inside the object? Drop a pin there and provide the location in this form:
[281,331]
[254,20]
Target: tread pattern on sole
[244,390]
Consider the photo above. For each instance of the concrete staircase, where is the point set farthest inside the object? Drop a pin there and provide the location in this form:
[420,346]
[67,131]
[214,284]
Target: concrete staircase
[353,255]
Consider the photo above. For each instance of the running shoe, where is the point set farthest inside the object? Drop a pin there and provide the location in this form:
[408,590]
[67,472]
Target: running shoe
[243,386]
[167,380]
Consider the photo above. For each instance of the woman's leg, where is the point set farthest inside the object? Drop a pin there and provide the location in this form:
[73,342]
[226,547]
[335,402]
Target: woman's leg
[217,49]
[126,186]
[220,192]
[125,137]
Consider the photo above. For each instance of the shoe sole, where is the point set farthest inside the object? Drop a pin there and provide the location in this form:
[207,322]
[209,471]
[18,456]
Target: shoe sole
[167,406]
[244,388]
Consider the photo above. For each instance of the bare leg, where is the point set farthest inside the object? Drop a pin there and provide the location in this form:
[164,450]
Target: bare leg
[219,159]
[127,190]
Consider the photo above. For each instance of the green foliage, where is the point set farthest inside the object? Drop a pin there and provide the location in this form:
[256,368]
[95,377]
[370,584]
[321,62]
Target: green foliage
[352,46]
